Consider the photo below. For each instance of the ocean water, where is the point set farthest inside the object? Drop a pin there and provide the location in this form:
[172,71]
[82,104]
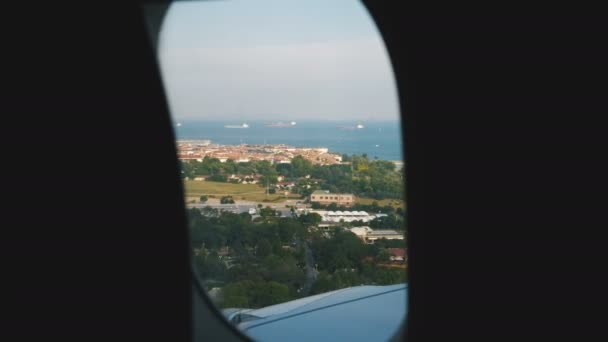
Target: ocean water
[381,139]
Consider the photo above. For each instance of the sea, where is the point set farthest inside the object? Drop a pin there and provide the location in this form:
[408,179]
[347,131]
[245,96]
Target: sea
[378,139]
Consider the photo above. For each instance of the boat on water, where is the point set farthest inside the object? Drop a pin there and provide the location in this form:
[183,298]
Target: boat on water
[237,126]
[281,124]
[351,128]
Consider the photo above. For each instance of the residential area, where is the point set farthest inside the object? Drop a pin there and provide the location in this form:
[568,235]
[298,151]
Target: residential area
[265,232]
[276,154]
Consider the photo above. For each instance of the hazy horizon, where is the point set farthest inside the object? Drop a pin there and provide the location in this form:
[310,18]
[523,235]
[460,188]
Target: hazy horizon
[275,60]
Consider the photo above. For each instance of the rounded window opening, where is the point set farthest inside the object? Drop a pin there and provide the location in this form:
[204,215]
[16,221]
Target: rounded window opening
[289,141]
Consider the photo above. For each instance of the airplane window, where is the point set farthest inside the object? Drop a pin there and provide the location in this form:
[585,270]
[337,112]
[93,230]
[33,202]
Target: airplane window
[289,139]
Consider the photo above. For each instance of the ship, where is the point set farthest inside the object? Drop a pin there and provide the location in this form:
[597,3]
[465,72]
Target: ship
[237,126]
[281,124]
[351,128]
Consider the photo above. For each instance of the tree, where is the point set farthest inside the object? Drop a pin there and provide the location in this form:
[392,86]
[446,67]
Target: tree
[384,255]
[267,181]
[254,294]
[332,206]
[210,266]
[311,219]
[323,284]
[217,178]
[267,212]
[227,200]
[203,199]
[317,205]
[300,166]
[264,248]
[209,212]
[187,170]
[285,170]
[270,293]
[245,169]
[236,295]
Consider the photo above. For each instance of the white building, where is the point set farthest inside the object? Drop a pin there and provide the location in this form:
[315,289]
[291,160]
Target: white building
[347,216]
[384,234]
[361,232]
[370,236]
[332,217]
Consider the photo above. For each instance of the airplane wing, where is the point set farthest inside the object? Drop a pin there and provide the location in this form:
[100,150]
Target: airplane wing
[361,313]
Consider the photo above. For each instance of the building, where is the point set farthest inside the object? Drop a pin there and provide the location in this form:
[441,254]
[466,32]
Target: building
[398,254]
[369,235]
[384,234]
[361,232]
[347,216]
[324,197]
[335,218]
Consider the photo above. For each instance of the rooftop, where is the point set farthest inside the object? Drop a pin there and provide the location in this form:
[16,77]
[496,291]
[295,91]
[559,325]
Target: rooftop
[385,232]
[346,213]
[397,251]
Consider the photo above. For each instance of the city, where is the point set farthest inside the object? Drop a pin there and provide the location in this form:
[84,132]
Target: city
[199,149]
[333,226]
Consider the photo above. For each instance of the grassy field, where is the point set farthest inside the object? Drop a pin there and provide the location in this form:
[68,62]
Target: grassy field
[393,202]
[255,193]
[247,192]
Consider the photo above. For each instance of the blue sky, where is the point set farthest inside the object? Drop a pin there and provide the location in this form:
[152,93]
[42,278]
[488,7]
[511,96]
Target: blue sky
[275,60]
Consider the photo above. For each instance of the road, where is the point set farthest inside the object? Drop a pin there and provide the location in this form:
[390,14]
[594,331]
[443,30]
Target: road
[311,271]
[242,207]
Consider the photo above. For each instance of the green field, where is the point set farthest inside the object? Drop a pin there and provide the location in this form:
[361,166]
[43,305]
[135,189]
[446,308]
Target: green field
[247,192]
[255,193]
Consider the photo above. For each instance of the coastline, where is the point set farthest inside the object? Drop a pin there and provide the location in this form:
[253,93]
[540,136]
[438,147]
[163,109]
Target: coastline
[208,144]
[377,139]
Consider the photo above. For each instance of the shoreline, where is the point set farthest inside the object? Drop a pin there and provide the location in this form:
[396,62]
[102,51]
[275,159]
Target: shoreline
[209,144]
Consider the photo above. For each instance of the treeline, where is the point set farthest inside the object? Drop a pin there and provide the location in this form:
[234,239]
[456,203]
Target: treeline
[216,229]
[376,179]
[263,272]
[217,171]
[345,261]
[366,178]
[266,260]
